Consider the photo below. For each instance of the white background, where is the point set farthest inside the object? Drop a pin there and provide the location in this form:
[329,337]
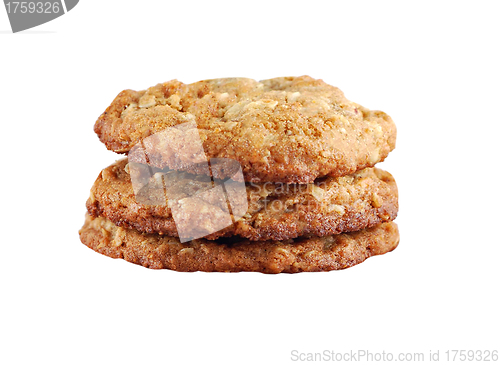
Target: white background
[432,66]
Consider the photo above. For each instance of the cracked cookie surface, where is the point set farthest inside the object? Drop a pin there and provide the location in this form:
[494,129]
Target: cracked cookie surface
[228,255]
[286,129]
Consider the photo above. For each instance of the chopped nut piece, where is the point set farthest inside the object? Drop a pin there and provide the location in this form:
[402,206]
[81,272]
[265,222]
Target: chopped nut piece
[264,103]
[119,235]
[107,174]
[340,209]
[147,101]
[376,200]
[282,251]
[222,96]
[174,101]
[187,250]
[316,191]
[293,96]
[230,125]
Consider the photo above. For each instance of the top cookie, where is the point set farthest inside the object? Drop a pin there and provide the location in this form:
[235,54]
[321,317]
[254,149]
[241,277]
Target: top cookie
[286,129]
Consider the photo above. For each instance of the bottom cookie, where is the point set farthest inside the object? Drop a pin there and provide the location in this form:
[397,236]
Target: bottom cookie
[236,254]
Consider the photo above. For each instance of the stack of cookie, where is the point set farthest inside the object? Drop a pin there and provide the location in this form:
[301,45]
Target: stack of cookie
[239,175]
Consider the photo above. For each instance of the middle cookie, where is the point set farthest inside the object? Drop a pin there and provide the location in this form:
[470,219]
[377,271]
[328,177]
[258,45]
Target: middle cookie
[168,202]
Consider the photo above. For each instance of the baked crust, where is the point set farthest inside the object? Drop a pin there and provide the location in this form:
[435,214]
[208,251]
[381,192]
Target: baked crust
[229,255]
[286,129]
[275,211]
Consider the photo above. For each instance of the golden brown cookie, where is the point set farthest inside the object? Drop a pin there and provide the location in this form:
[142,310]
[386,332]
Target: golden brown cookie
[291,256]
[287,129]
[275,211]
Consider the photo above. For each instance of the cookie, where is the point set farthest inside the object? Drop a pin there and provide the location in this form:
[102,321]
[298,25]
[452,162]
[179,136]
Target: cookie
[271,211]
[286,129]
[230,255]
